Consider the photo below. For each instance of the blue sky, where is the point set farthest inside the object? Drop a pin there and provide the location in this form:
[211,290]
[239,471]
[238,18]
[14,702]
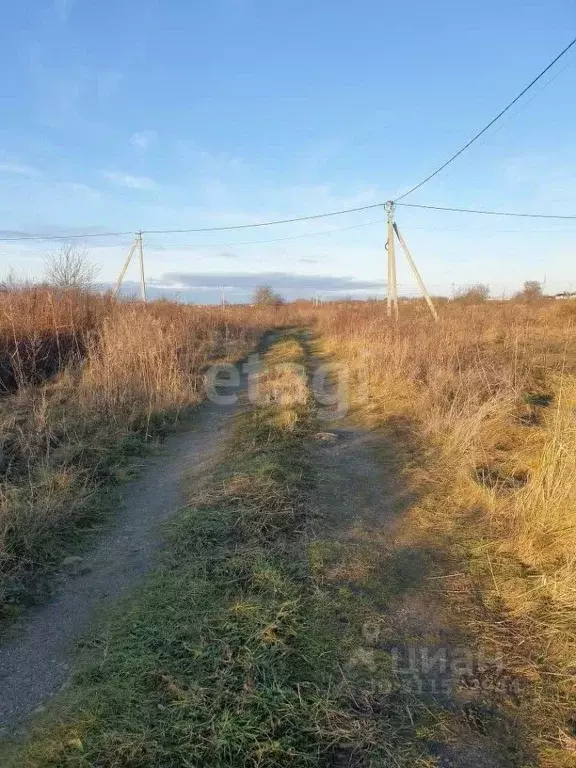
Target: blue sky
[170,114]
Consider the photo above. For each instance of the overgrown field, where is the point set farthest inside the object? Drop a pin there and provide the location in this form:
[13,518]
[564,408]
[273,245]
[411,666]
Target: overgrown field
[482,408]
[238,653]
[241,650]
[87,381]
[221,661]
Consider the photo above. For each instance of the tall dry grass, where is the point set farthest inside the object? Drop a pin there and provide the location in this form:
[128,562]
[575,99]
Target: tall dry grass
[493,387]
[90,380]
[488,395]
[41,330]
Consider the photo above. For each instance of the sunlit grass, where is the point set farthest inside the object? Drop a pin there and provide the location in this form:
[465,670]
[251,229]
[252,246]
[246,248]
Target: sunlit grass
[487,395]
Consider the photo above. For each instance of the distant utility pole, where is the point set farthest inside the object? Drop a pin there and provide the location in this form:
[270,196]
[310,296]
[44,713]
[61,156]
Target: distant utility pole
[136,245]
[125,267]
[392,283]
[141,258]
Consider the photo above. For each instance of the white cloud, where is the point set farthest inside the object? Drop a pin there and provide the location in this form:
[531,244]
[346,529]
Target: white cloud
[21,170]
[143,139]
[291,284]
[129,181]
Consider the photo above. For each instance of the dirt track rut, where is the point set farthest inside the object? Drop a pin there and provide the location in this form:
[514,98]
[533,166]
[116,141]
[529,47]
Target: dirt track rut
[363,499]
[36,656]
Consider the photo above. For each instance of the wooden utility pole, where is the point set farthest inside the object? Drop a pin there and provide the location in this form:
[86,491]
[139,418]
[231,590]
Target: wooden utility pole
[416,273]
[141,259]
[137,244]
[125,267]
[389,283]
[392,284]
[392,280]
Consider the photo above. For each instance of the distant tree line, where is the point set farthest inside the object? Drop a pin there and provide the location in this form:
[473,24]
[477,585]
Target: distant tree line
[475,294]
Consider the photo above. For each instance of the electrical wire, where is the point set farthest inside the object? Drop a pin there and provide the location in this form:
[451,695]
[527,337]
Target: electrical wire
[488,213]
[282,221]
[523,106]
[527,103]
[280,239]
[226,228]
[490,124]
[63,237]
[261,223]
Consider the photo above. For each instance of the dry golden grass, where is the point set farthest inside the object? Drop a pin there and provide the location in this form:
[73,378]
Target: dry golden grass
[481,405]
[283,379]
[235,654]
[93,379]
[41,330]
[488,396]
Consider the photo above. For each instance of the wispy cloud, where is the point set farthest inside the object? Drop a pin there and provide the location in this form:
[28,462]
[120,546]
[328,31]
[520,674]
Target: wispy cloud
[290,284]
[218,162]
[143,139]
[129,181]
[60,89]
[20,169]
[62,9]
[14,233]
[83,189]
[58,231]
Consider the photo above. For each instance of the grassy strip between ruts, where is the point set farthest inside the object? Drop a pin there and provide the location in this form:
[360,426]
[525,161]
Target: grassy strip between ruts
[232,654]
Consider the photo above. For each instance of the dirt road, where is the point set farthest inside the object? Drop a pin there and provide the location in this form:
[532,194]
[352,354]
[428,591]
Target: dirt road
[364,500]
[36,657]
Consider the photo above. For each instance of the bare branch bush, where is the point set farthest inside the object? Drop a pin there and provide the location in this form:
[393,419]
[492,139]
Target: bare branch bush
[473,294]
[264,296]
[70,267]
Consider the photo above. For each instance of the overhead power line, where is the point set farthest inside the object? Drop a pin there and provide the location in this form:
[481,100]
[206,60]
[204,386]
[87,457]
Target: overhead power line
[282,239]
[489,125]
[64,237]
[488,213]
[225,228]
[260,223]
